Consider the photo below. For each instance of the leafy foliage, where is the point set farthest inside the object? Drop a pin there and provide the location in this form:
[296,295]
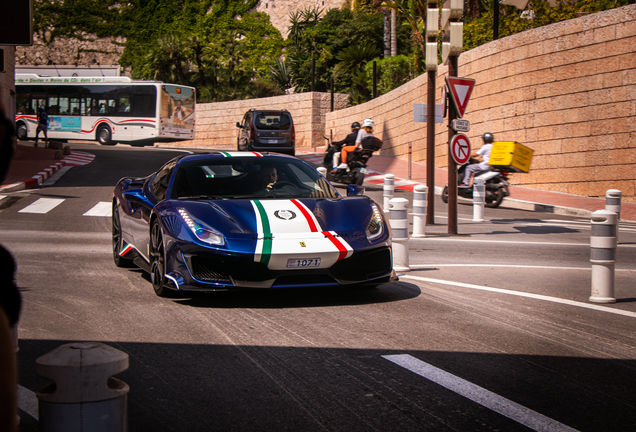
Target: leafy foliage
[392,73]
[479,31]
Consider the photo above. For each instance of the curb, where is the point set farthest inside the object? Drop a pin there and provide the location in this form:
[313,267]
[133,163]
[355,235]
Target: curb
[34,181]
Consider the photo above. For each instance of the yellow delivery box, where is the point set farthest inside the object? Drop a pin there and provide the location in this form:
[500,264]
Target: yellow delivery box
[511,156]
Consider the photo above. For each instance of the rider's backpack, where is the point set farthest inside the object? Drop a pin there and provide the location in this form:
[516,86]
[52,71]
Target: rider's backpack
[371,143]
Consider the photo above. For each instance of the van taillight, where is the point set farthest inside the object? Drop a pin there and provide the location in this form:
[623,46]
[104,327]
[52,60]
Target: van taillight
[293,133]
[252,132]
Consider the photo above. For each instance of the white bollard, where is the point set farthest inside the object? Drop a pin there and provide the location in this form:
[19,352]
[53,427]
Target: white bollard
[322,171]
[603,256]
[419,211]
[389,186]
[84,396]
[398,219]
[479,199]
[613,202]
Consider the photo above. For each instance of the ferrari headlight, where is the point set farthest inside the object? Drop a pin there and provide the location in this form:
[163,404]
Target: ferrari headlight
[375,227]
[201,230]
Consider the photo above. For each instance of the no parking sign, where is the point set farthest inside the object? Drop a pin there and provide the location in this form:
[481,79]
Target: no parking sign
[460,148]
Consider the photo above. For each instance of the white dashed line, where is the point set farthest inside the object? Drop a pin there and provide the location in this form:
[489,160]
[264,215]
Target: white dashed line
[101,209]
[42,206]
[524,294]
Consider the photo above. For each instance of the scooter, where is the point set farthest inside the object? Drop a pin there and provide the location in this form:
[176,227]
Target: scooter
[496,182]
[356,162]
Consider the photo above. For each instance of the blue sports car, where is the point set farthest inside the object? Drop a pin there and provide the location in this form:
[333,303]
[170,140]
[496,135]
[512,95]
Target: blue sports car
[232,220]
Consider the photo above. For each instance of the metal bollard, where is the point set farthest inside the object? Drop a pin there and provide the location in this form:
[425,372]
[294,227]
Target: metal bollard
[84,395]
[479,199]
[322,171]
[419,211]
[398,219]
[389,186]
[603,256]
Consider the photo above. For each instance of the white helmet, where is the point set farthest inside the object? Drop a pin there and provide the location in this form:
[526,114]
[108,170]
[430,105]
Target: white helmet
[367,123]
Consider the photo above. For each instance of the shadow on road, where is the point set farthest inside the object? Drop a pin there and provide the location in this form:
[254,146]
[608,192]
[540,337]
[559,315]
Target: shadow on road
[302,298]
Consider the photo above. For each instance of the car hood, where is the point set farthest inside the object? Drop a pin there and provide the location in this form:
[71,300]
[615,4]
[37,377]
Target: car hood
[236,218]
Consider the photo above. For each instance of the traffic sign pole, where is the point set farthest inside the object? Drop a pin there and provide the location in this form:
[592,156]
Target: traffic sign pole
[452,166]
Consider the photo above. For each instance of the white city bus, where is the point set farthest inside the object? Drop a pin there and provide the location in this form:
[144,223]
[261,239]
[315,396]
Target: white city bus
[105,109]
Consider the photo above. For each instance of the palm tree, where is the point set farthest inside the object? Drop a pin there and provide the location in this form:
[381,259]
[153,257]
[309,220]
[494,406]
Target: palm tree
[354,58]
[280,75]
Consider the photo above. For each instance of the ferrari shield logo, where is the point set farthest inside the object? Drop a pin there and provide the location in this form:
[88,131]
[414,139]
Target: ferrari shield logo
[302,244]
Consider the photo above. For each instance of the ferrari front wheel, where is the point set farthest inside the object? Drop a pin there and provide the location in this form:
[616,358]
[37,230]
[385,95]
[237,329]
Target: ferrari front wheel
[157,261]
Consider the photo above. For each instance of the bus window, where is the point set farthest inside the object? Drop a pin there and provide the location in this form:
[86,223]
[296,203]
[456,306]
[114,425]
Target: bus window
[37,100]
[53,106]
[74,106]
[124,105]
[23,103]
[144,103]
[64,103]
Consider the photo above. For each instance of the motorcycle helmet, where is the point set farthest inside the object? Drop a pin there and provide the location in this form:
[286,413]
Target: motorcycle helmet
[355,125]
[367,123]
[488,138]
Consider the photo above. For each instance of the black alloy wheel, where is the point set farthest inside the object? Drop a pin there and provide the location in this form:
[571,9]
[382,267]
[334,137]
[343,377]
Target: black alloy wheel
[118,242]
[357,177]
[21,132]
[157,261]
[445,194]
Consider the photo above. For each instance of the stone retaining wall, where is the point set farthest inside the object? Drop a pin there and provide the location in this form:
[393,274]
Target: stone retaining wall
[568,91]
[216,122]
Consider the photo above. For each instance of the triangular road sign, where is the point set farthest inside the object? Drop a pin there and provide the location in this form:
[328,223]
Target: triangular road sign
[460,90]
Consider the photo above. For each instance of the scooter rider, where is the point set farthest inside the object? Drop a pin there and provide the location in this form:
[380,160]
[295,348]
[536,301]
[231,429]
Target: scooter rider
[484,152]
[366,131]
[350,140]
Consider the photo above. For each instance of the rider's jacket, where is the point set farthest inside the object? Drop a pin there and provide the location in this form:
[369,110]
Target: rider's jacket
[348,141]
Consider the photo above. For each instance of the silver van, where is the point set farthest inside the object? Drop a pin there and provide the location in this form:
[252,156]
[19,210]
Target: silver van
[267,130]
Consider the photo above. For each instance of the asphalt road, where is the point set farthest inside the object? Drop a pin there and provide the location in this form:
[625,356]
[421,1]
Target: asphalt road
[490,330]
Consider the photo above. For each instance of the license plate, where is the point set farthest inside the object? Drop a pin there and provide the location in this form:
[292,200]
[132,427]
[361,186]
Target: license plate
[364,171]
[304,262]
[272,141]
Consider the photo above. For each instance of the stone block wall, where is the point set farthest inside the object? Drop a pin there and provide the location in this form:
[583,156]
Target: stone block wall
[279,10]
[568,91]
[216,122]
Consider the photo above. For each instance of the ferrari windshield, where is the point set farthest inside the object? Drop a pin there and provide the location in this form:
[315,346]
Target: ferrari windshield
[248,177]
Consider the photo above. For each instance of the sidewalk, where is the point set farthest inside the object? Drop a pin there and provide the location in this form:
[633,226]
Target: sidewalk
[522,198]
[32,165]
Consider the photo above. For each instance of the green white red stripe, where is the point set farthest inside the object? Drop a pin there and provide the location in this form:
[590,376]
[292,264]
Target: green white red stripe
[242,154]
[287,229]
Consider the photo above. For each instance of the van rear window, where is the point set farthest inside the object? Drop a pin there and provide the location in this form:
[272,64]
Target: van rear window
[272,121]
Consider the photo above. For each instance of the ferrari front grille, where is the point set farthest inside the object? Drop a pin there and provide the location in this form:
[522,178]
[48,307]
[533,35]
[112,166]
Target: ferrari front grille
[363,266]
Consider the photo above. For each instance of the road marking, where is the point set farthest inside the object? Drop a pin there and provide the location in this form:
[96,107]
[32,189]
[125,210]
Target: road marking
[524,294]
[42,206]
[429,266]
[28,402]
[2,197]
[102,209]
[477,394]
[515,242]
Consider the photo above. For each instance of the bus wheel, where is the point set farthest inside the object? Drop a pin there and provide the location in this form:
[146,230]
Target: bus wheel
[21,133]
[104,135]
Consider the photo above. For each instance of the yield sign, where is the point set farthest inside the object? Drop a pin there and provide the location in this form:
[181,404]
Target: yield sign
[460,148]
[460,90]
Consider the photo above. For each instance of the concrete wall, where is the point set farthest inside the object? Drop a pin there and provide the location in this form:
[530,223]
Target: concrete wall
[216,122]
[568,91]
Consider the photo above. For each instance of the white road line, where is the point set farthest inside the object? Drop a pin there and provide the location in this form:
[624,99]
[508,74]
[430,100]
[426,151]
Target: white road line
[477,394]
[42,206]
[429,266]
[102,209]
[28,402]
[524,294]
[2,197]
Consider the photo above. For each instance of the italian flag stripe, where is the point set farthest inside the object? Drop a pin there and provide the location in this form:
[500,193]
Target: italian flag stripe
[266,233]
[337,243]
[308,217]
[226,154]
[257,154]
[127,248]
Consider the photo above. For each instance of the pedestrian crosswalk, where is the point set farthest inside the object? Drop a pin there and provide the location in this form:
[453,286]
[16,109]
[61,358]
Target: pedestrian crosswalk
[45,205]
[77,158]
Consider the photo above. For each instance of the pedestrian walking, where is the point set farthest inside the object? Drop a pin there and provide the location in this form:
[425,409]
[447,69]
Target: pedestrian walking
[43,118]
